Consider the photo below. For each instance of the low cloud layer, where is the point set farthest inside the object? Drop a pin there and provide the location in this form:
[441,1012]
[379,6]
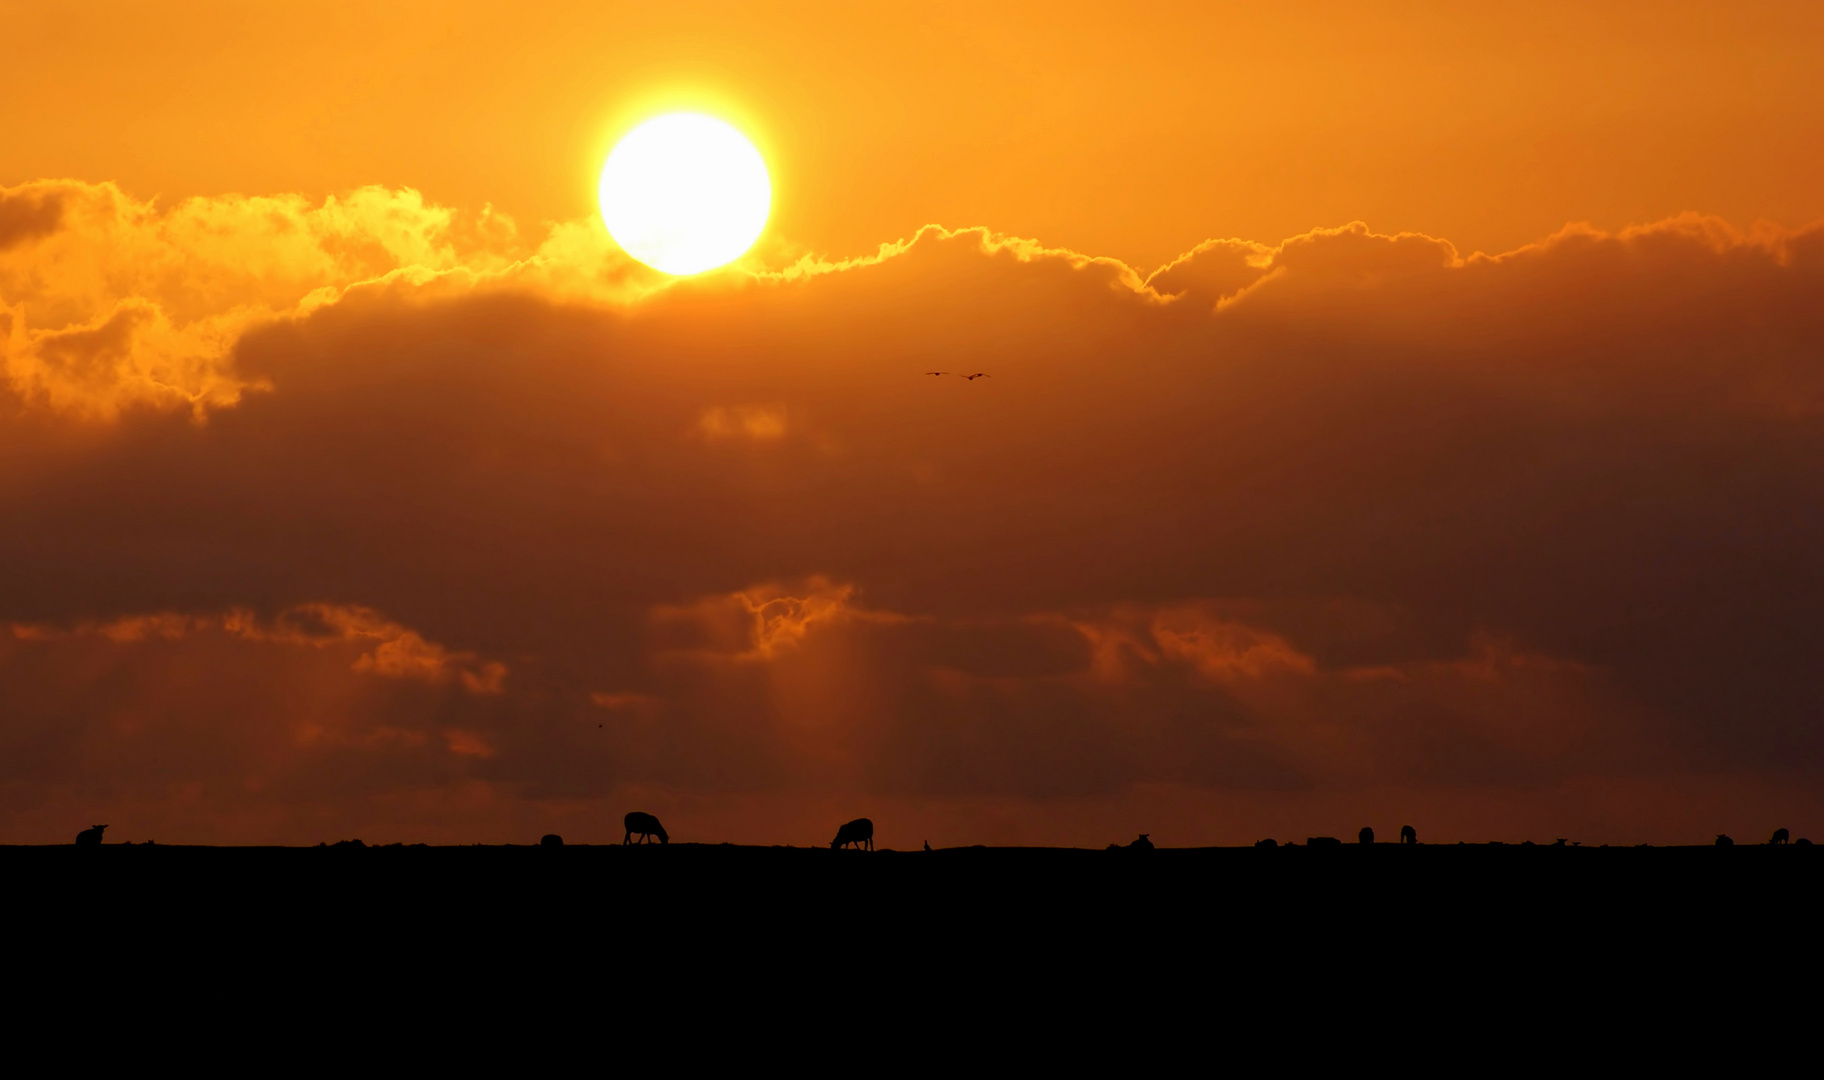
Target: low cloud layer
[379,517]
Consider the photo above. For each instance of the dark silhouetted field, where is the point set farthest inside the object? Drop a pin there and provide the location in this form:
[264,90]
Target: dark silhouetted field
[684,893]
[960,944]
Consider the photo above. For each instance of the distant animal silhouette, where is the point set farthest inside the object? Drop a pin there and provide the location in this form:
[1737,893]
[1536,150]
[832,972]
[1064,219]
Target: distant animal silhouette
[859,832]
[1366,836]
[978,375]
[645,826]
[90,835]
[1801,842]
[927,845]
[1141,843]
[1724,841]
[1560,842]
[1408,834]
[1322,841]
[551,840]
[1269,842]
[1780,836]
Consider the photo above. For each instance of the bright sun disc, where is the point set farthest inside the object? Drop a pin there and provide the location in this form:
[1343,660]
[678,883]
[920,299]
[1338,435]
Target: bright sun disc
[685,193]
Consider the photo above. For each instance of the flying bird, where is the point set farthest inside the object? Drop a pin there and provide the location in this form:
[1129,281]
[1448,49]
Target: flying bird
[978,375]
[937,373]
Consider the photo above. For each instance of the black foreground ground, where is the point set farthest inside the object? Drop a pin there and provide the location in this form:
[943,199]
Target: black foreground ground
[811,939]
[687,891]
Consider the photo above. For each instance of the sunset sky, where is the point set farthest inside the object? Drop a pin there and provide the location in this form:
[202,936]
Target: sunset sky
[1405,413]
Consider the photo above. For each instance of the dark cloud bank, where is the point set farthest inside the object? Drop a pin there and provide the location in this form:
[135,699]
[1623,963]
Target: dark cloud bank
[1284,540]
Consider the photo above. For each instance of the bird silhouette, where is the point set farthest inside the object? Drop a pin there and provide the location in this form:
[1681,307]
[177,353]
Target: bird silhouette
[978,375]
[937,373]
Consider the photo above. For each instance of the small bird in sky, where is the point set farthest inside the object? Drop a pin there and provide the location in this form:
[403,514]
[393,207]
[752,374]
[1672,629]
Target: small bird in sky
[937,373]
[978,375]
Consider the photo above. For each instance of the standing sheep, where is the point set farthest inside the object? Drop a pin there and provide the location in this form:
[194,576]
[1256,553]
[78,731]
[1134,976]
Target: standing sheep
[645,826]
[859,832]
[92,835]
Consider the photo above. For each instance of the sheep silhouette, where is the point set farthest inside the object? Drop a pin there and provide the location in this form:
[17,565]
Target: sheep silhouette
[1408,834]
[1724,841]
[1323,842]
[1781,836]
[1269,842]
[859,832]
[645,826]
[551,840]
[1366,836]
[1141,843]
[92,835]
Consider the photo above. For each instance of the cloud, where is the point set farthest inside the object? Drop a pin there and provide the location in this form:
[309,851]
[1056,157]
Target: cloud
[113,302]
[757,422]
[391,650]
[1353,520]
[28,214]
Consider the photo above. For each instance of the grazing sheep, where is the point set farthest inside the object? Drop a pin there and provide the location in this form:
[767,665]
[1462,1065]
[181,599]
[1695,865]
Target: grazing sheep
[551,840]
[92,835]
[1141,843]
[1366,836]
[1323,841]
[1269,842]
[645,826]
[1724,841]
[859,832]
[1408,834]
[1780,836]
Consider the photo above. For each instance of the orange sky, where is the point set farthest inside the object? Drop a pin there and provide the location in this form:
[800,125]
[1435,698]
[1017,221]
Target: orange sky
[353,483]
[1131,130]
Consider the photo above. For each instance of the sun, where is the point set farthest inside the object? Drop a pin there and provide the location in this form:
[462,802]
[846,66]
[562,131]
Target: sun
[685,193]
